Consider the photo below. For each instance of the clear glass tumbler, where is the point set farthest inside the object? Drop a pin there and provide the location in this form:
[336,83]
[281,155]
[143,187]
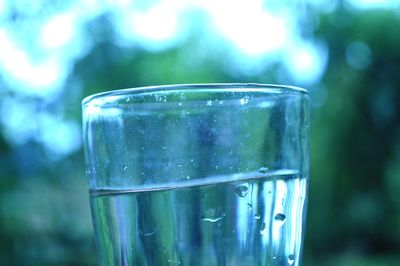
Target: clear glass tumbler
[202,174]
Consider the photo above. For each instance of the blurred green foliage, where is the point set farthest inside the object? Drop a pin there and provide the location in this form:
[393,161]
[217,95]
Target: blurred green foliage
[354,207]
[355,141]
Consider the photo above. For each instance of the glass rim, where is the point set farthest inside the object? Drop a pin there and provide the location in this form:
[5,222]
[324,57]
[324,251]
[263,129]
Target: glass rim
[193,86]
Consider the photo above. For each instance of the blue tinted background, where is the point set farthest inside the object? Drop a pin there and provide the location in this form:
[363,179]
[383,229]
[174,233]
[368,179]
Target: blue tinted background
[345,53]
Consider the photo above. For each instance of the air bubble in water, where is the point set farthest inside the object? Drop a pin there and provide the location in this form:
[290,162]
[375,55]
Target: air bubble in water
[263,170]
[125,167]
[241,190]
[209,103]
[257,217]
[280,218]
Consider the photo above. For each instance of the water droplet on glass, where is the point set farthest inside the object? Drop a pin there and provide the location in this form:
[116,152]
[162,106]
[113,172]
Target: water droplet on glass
[213,220]
[241,190]
[149,233]
[209,102]
[244,100]
[263,170]
[290,259]
[174,261]
[280,218]
[263,228]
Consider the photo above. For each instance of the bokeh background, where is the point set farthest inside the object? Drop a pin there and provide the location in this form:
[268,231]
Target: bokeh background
[345,52]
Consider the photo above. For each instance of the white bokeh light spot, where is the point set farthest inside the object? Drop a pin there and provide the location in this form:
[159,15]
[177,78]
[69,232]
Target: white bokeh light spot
[41,78]
[255,35]
[58,31]
[365,4]
[157,24]
[306,62]
[251,29]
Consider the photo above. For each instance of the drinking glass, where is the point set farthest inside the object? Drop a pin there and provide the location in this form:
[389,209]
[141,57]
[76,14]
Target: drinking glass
[200,174]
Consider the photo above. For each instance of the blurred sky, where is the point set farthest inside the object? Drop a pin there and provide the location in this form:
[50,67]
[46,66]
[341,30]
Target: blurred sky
[40,41]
